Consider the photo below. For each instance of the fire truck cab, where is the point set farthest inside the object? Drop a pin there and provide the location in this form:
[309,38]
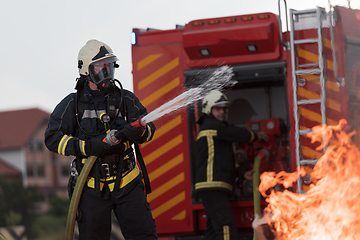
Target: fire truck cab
[286,83]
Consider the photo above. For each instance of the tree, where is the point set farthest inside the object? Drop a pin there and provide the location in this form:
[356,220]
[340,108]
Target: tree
[16,202]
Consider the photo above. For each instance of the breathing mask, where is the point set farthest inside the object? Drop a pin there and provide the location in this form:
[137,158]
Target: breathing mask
[101,73]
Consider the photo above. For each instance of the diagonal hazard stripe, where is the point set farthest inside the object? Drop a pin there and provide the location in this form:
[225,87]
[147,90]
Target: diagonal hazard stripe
[169,204]
[146,61]
[164,129]
[310,153]
[163,149]
[161,92]
[332,85]
[179,216]
[166,187]
[314,116]
[329,84]
[335,105]
[311,95]
[158,73]
[166,167]
[327,44]
[313,58]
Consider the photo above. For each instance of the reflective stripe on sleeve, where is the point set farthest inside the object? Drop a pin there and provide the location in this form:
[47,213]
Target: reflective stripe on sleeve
[252,136]
[63,143]
[213,184]
[82,147]
[149,133]
[209,134]
[226,232]
[127,145]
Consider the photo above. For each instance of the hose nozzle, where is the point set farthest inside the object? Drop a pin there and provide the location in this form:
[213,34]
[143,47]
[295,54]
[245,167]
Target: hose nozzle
[139,123]
[114,136]
[111,138]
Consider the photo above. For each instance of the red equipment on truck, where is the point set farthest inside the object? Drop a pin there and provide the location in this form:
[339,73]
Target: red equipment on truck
[287,83]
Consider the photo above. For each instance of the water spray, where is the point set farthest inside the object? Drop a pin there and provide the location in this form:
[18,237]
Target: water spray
[220,78]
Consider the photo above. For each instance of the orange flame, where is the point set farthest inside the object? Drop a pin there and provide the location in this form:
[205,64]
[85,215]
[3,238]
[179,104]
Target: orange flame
[330,209]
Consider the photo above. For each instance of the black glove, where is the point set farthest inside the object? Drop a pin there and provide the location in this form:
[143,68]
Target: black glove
[134,133]
[119,148]
[96,147]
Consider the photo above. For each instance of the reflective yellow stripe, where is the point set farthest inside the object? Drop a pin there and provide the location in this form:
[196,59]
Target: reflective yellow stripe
[126,179]
[209,134]
[149,133]
[169,204]
[101,116]
[252,136]
[226,232]
[106,125]
[63,143]
[213,184]
[146,126]
[127,145]
[82,147]
[91,182]
[158,73]
[146,61]
[111,186]
[205,133]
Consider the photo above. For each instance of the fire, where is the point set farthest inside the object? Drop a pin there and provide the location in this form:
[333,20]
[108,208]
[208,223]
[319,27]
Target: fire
[330,209]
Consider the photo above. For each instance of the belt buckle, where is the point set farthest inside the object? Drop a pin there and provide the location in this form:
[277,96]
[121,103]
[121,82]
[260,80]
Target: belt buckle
[107,169]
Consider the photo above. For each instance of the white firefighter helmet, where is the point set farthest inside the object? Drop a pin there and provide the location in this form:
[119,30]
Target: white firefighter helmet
[94,51]
[215,98]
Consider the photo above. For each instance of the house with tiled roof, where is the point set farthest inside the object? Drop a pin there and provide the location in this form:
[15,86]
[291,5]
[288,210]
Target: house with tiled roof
[8,171]
[22,149]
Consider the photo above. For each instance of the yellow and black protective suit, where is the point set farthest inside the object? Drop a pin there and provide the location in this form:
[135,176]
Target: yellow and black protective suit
[104,192]
[215,174]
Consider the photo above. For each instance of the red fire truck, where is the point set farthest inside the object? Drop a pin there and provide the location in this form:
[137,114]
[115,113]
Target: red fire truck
[287,82]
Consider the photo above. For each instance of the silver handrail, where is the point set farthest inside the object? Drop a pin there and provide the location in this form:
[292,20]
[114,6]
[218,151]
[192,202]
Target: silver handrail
[280,26]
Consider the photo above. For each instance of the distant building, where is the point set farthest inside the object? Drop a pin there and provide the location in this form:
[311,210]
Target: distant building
[6,170]
[22,150]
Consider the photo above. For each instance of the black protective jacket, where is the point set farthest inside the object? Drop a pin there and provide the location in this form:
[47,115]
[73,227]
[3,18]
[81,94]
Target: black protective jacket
[215,164]
[63,133]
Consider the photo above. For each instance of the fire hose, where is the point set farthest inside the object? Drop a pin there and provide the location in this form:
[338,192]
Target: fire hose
[264,153]
[74,203]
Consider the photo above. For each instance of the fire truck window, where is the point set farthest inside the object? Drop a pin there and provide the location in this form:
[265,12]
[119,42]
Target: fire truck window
[278,106]
[240,111]
[247,104]
[256,104]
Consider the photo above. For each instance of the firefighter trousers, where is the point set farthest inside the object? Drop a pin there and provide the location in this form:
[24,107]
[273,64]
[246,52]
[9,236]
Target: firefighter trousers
[220,223]
[132,211]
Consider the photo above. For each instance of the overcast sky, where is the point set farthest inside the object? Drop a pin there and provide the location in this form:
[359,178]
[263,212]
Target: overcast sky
[40,40]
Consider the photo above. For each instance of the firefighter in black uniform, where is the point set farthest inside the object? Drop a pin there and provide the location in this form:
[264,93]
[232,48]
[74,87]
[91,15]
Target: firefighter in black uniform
[215,165]
[77,127]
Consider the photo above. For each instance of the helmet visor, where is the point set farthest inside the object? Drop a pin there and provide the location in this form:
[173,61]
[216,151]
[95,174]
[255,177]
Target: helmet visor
[102,70]
[222,105]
